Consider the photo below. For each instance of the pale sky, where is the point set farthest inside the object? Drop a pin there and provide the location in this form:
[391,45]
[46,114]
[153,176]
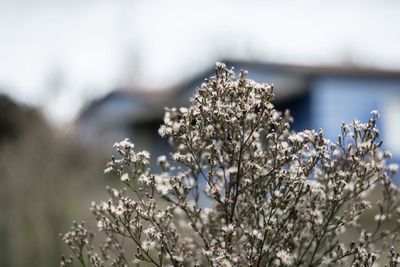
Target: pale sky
[59,54]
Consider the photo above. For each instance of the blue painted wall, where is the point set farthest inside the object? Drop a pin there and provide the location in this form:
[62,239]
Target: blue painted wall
[336,99]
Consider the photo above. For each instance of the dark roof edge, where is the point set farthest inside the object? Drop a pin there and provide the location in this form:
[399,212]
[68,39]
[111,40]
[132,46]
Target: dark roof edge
[319,69]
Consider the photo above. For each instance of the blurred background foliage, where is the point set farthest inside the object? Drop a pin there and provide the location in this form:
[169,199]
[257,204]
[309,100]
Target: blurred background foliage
[47,180]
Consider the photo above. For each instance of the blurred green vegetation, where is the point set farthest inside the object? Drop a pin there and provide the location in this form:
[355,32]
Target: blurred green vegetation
[47,179]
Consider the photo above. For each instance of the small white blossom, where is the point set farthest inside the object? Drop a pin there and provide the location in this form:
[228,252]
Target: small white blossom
[148,245]
[380,217]
[100,225]
[375,113]
[161,159]
[393,168]
[108,169]
[125,177]
[285,257]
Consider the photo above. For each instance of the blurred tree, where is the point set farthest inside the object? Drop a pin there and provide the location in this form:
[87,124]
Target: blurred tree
[43,174]
[14,118]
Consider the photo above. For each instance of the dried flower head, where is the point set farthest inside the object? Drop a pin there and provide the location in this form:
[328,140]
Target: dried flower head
[245,190]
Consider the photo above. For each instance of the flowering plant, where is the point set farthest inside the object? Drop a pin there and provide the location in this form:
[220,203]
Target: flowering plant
[244,190]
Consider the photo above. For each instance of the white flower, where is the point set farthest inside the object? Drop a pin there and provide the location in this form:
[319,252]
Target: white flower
[178,258]
[144,179]
[163,188]
[162,184]
[277,194]
[349,186]
[380,217]
[220,65]
[225,263]
[387,155]
[228,228]
[285,257]
[393,168]
[233,170]
[161,159]
[151,230]
[125,177]
[119,211]
[183,110]
[375,113]
[147,244]
[175,127]
[100,225]
[135,261]
[108,169]
[162,131]
[124,144]
[206,252]
[296,138]
[257,234]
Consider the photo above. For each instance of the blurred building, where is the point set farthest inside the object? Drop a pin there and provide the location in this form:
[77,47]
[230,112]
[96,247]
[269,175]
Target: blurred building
[318,97]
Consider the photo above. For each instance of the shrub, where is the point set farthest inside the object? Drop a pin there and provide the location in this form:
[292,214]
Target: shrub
[244,190]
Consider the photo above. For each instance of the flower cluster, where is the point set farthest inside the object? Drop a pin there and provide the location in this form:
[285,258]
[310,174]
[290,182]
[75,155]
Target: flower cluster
[244,190]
